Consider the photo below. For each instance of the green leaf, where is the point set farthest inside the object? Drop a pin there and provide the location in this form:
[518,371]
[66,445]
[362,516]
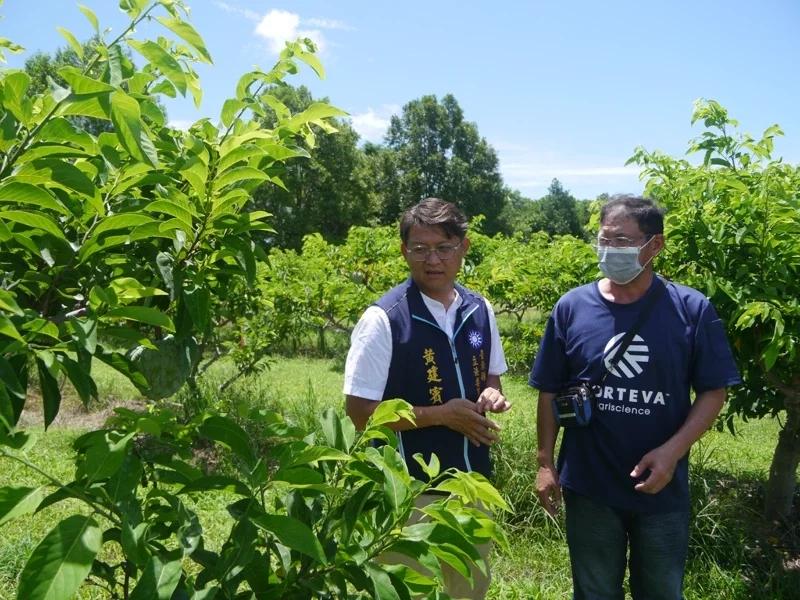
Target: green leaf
[229,433]
[432,469]
[198,303]
[354,509]
[315,112]
[237,174]
[172,208]
[142,314]
[51,393]
[26,193]
[61,561]
[121,221]
[163,60]
[16,501]
[292,533]
[81,84]
[85,330]
[382,585]
[312,61]
[229,110]
[128,288]
[159,580]
[7,328]
[8,303]
[390,411]
[216,482]
[54,172]
[313,454]
[104,454]
[81,379]
[96,107]
[186,32]
[89,14]
[120,363]
[299,477]
[130,129]
[396,479]
[34,220]
[72,41]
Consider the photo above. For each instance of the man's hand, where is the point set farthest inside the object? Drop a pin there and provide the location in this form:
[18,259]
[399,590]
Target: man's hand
[548,490]
[492,400]
[460,414]
[661,465]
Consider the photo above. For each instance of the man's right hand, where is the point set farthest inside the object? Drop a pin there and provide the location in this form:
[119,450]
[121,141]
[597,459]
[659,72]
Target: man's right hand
[547,489]
[460,414]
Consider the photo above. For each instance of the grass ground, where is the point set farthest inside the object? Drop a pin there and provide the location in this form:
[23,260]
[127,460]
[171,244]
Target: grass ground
[733,556]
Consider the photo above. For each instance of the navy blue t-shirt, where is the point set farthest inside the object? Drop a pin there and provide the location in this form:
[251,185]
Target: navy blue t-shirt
[645,399]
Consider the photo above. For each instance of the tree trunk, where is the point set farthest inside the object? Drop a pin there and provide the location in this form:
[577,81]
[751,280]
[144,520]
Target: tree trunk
[782,473]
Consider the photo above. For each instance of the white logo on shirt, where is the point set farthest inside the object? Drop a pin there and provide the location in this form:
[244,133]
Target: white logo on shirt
[475,339]
[630,365]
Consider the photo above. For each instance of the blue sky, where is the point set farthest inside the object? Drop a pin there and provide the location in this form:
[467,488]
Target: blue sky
[562,89]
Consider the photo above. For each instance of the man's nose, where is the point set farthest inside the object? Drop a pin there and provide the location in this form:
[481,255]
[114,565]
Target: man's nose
[433,257]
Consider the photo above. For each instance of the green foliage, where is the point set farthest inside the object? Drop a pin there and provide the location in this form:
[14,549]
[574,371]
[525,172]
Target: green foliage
[309,514]
[734,226]
[556,213]
[114,239]
[325,288]
[734,231]
[523,279]
[328,193]
[129,233]
[440,154]
[731,557]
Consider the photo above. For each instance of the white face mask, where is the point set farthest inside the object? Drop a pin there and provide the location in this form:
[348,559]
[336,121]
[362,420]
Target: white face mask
[621,265]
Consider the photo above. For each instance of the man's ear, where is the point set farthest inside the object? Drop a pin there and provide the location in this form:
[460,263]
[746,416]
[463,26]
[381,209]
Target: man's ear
[465,244]
[656,245]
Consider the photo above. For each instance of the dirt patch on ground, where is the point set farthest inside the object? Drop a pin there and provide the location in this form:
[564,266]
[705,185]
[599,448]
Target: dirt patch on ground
[72,414]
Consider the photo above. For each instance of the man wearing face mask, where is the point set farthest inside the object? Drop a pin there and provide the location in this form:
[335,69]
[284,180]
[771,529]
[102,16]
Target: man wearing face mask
[624,475]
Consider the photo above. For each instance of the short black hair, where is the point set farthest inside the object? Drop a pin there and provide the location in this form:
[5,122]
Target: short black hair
[434,212]
[647,214]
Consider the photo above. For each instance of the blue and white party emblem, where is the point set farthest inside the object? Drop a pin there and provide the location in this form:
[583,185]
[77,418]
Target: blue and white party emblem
[475,339]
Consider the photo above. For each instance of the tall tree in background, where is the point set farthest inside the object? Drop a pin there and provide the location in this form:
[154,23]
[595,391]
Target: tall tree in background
[327,193]
[440,154]
[383,175]
[556,213]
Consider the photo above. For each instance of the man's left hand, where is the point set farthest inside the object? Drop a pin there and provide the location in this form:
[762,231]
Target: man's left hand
[492,400]
[661,467]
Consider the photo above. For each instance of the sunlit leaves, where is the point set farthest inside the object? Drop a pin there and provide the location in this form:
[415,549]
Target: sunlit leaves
[61,561]
[734,223]
[131,131]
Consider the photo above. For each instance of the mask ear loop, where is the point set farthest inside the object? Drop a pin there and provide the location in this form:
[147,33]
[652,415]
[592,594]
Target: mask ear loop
[649,260]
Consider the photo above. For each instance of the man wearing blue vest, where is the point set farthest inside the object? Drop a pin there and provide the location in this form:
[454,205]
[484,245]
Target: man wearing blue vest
[624,475]
[434,344]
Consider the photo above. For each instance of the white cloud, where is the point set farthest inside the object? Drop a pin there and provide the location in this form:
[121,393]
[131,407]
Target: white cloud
[182,124]
[531,171]
[246,13]
[280,26]
[372,125]
[328,24]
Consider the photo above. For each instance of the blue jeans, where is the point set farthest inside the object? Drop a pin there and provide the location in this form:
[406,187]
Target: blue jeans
[599,538]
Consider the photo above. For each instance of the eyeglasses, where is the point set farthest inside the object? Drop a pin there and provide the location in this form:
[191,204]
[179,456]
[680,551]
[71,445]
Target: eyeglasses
[620,241]
[443,251]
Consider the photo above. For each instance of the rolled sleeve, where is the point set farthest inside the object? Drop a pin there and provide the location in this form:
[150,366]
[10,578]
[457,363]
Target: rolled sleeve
[497,357]
[369,357]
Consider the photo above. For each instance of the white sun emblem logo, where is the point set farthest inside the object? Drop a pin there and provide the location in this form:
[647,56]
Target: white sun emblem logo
[475,339]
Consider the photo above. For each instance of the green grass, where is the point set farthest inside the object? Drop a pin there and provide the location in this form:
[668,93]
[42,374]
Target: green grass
[733,554]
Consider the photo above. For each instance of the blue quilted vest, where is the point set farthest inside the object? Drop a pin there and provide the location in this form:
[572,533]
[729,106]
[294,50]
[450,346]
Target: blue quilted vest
[429,368]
